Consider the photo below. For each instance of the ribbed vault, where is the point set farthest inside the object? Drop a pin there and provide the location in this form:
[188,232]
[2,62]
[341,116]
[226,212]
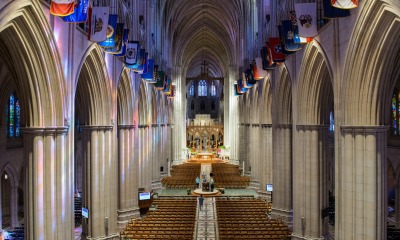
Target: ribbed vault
[203,30]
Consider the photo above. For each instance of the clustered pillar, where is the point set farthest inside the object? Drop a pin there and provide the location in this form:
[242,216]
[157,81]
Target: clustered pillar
[49,184]
[310,188]
[282,164]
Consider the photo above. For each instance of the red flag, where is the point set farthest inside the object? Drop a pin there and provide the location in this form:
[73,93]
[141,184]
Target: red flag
[62,9]
[276,49]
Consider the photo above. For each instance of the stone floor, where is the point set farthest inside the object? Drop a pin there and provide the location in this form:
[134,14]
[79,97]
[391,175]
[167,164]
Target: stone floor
[206,221]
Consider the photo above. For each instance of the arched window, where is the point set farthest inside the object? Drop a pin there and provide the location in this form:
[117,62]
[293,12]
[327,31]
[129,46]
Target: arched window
[331,122]
[191,89]
[396,112]
[13,115]
[202,89]
[213,90]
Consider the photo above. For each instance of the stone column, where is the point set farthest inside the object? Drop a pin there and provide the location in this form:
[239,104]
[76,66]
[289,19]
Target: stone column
[48,195]
[14,206]
[310,185]
[282,169]
[127,208]
[99,184]
[397,205]
[266,158]
[361,196]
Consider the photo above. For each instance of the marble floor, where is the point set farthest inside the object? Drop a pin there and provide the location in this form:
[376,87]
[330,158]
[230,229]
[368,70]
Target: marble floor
[206,221]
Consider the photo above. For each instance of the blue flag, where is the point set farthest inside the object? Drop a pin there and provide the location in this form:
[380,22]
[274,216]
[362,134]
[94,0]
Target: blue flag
[149,75]
[334,12]
[110,32]
[282,39]
[119,37]
[167,88]
[124,43]
[237,93]
[288,36]
[80,13]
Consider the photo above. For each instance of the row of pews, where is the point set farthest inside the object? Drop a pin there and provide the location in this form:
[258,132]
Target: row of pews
[174,218]
[246,218]
[228,176]
[182,176]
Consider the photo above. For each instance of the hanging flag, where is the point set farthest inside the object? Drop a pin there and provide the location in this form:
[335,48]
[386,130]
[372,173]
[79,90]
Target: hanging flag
[119,35]
[168,87]
[245,83]
[345,4]
[141,60]
[172,94]
[131,55]
[256,73]
[276,50]
[111,32]
[98,19]
[80,13]
[288,36]
[334,12]
[241,88]
[148,76]
[236,93]
[249,77]
[62,8]
[307,19]
[124,43]
[296,37]
[266,55]
[261,72]
[161,81]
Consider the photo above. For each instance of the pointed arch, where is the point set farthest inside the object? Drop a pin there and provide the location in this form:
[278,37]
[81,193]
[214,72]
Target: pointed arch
[93,89]
[371,66]
[12,174]
[282,96]
[125,99]
[28,44]
[315,93]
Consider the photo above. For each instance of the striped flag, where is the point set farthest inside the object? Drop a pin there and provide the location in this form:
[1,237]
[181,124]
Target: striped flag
[334,12]
[80,13]
[62,8]
[345,4]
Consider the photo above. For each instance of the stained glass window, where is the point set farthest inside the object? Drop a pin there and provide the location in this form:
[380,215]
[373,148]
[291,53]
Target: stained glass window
[213,90]
[13,117]
[191,89]
[202,89]
[331,122]
[396,113]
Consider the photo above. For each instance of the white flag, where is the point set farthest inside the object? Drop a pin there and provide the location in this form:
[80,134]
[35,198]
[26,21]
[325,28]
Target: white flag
[307,19]
[63,1]
[98,24]
[345,4]
[261,72]
[131,52]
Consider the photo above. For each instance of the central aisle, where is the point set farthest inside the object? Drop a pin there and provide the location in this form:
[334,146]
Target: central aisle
[206,222]
[205,168]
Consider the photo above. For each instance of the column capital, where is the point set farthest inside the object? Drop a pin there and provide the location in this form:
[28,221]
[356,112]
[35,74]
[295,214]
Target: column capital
[154,125]
[312,126]
[266,125]
[364,128]
[44,130]
[255,125]
[96,128]
[162,124]
[143,125]
[126,126]
[283,125]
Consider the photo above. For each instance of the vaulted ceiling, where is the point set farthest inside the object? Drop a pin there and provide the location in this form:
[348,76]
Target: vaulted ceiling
[204,30]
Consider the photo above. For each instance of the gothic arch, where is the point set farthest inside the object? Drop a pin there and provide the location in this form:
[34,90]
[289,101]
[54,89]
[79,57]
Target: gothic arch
[93,88]
[282,96]
[266,104]
[27,42]
[143,106]
[371,67]
[125,99]
[315,94]
[12,174]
